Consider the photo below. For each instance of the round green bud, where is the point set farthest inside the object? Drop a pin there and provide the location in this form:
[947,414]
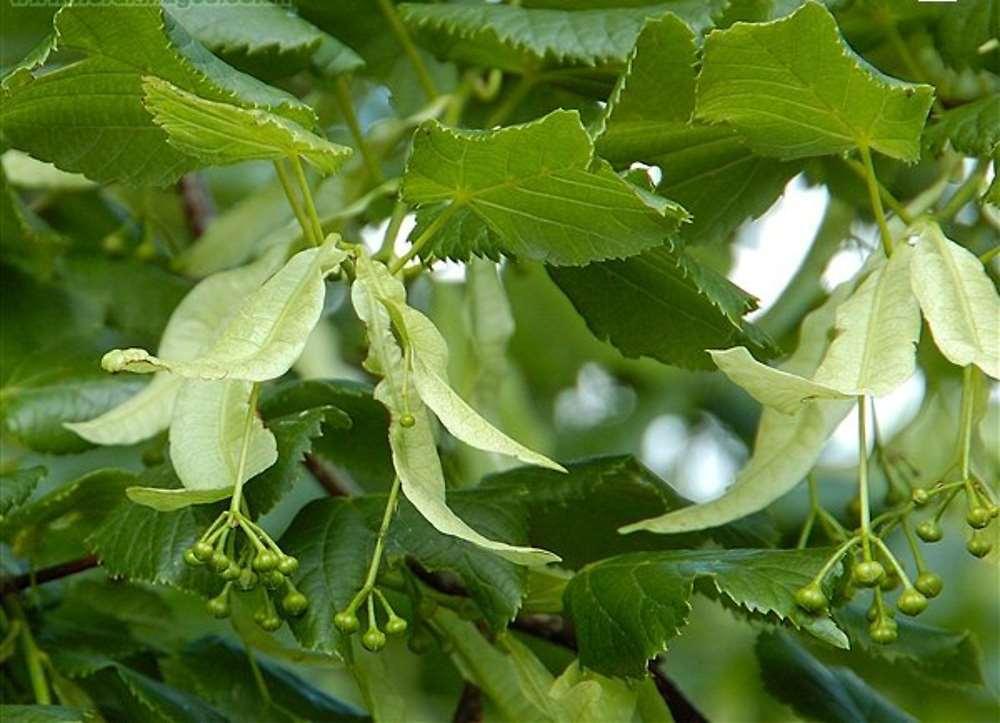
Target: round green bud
[978,517]
[994,510]
[407,420]
[811,598]
[248,580]
[872,612]
[395,626]
[929,583]
[868,573]
[220,562]
[272,580]
[294,603]
[920,496]
[219,606]
[978,546]
[373,640]
[346,622]
[232,572]
[288,565]
[270,623]
[911,602]
[202,550]
[884,631]
[929,531]
[265,561]
[191,559]
[889,582]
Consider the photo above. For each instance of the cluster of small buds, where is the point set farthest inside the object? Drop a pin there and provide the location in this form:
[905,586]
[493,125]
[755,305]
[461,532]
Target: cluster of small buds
[373,638]
[244,564]
[980,512]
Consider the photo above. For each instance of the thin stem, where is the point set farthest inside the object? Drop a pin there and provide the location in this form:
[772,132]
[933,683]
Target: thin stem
[300,176]
[234,503]
[965,435]
[891,201]
[876,199]
[293,201]
[376,561]
[965,193]
[806,531]
[342,94]
[385,251]
[837,555]
[403,36]
[33,657]
[258,677]
[893,561]
[426,236]
[990,255]
[863,404]
[911,540]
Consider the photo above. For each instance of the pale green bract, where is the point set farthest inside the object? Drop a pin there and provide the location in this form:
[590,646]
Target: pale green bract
[169,500]
[221,133]
[430,376]
[414,452]
[774,388]
[959,301]
[192,328]
[877,330]
[211,421]
[264,337]
[785,449]
[794,89]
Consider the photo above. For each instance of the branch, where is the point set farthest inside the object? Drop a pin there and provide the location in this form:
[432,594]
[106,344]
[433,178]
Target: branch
[48,574]
[470,705]
[327,479]
[557,630]
[199,208]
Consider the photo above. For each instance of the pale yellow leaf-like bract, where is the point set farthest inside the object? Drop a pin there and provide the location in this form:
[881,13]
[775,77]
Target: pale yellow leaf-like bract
[959,301]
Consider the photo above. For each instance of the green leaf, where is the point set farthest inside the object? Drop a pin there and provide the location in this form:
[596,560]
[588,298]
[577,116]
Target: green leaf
[936,655]
[265,40]
[219,134]
[414,453]
[88,116]
[662,304]
[41,714]
[973,128]
[360,453]
[965,29]
[533,189]
[142,544]
[294,434]
[876,332]
[162,701]
[192,328]
[16,487]
[264,337]
[50,528]
[959,301]
[600,495]
[626,609]
[221,674]
[785,448]
[790,103]
[649,119]
[24,171]
[217,441]
[832,695]
[518,39]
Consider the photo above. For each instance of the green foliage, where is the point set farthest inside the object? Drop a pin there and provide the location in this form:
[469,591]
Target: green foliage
[432,298]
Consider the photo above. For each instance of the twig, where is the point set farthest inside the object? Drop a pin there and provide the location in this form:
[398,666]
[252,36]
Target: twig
[326,478]
[199,209]
[470,705]
[681,708]
[48,574]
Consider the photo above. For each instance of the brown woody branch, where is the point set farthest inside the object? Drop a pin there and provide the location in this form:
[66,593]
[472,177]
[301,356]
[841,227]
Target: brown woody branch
[47,574]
